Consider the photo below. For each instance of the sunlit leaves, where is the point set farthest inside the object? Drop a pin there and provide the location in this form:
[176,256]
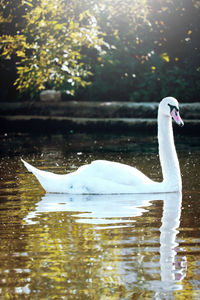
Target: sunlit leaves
[54,39]
[59,43]
[13,45]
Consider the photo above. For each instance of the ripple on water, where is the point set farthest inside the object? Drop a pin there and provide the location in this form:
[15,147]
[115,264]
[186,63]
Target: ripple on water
[56,246]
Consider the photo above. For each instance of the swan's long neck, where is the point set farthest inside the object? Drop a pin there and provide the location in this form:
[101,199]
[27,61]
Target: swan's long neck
[167,153]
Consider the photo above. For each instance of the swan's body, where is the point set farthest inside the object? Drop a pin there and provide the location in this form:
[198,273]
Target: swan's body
[105,177]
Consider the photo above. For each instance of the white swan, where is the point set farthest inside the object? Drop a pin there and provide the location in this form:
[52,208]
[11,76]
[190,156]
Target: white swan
[105,177]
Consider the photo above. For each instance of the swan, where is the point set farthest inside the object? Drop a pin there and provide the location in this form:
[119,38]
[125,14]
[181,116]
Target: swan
[106,177]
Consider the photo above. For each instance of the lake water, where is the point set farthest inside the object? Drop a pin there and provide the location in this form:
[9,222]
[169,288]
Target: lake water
[98,246]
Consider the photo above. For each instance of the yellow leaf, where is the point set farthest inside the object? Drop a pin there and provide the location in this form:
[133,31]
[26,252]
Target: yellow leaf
[20,53]
[165,57]
[81,16]
[28,3]
[59,26]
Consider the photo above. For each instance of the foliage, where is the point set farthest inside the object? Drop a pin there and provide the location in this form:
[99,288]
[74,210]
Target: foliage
[128,50]
[159,57]
[49,47]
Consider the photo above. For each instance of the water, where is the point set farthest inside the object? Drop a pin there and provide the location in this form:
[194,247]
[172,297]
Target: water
[97,246]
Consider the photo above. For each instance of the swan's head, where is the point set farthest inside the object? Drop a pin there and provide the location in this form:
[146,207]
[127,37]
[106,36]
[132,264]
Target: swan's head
[169,107]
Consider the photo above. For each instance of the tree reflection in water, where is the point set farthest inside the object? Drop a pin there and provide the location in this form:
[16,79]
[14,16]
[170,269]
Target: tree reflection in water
[124,258]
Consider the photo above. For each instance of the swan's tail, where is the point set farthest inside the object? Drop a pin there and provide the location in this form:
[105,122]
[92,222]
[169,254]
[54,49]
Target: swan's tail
[50,182]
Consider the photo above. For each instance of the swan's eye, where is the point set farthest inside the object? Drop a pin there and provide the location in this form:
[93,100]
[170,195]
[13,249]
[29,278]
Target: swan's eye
[173,107]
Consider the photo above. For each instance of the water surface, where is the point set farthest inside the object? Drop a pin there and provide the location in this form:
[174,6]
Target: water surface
[97,246]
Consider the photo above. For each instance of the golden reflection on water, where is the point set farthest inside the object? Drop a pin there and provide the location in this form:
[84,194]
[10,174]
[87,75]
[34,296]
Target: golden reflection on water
[97,247]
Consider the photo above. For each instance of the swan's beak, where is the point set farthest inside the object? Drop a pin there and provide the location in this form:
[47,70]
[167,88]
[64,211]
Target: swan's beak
[176,116]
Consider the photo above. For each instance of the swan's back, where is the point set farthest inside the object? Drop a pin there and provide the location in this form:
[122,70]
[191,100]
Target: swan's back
[114,172]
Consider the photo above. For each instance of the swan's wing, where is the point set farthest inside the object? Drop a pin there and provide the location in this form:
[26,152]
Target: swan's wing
[114,172]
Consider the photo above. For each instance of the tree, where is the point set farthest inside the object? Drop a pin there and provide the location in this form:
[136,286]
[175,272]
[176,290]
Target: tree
[153,55]
[47,45]
[131,50]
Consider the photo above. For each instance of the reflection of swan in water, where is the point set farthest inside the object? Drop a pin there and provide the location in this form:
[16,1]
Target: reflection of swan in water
[105,177]
[105,209]
[94,209]
[168,231]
